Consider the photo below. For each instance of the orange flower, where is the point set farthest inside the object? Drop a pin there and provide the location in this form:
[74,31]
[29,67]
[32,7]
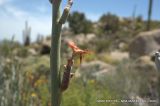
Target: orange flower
[77,50]
[72,45]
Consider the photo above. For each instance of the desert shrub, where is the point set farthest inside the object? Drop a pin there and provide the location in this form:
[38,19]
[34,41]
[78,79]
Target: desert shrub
[79,94]
[132,80]
[102,45]
[79,24]
[109,23]
[36,85]
[90,57]
[7,47]
[108,59]
[155,24]
[10,81]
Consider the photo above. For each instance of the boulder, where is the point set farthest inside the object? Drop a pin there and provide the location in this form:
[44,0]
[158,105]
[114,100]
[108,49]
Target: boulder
[32,51]
[119,56]
[95,69]
[144,63]
[145,44]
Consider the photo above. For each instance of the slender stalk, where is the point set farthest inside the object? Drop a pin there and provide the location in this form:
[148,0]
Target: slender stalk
[55,63]
[55,54]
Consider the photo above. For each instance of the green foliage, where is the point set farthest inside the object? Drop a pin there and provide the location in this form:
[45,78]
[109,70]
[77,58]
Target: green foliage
[87,95]
[155,25]
[7,47]
[79,24]
[26,81]
[10,67]
[90,57]
[101,45]
[108,59]
[109,23]
[132,78]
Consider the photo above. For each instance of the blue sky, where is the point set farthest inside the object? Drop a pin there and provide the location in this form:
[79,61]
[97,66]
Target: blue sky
[13,13]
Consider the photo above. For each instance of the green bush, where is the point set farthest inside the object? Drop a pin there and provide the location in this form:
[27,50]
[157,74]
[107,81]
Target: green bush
[79,94]
[109,23]
[79,24]
[102,45]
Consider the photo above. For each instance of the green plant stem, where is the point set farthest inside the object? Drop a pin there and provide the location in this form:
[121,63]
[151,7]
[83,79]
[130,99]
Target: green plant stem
[55,55]
[55,63]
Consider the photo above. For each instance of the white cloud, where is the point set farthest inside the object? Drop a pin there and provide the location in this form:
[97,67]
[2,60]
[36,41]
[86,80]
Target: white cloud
[15,12]
[13,20]
[42,9]
[2,2]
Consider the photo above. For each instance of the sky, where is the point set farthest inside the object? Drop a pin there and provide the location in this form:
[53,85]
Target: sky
[14,13]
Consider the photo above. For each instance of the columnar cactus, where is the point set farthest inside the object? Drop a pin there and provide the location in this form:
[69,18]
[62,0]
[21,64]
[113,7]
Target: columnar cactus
[57,23]
[26,34]
[149,14]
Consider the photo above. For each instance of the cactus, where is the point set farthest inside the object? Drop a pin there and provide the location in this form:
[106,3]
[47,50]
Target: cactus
[57,23]
[26,34]
[149,14]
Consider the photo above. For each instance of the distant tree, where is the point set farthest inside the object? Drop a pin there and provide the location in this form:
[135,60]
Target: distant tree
[109,22]
[26,34]
[79,24]
[149,14]
[139,18]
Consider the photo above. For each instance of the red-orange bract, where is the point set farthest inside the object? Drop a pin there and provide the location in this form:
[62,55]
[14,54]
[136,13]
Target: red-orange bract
[77,50]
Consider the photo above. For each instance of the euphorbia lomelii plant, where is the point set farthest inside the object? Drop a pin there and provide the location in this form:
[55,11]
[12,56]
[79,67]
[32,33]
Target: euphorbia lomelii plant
[58,85]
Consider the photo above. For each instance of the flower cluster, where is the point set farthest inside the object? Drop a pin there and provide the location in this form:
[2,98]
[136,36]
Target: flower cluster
[67,73]
[77,51]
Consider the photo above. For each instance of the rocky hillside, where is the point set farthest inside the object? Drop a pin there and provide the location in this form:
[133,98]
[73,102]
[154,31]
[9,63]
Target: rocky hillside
[120,66]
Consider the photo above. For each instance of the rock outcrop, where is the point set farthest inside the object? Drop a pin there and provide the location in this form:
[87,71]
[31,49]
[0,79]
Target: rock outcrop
[95,69]
[145,44]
